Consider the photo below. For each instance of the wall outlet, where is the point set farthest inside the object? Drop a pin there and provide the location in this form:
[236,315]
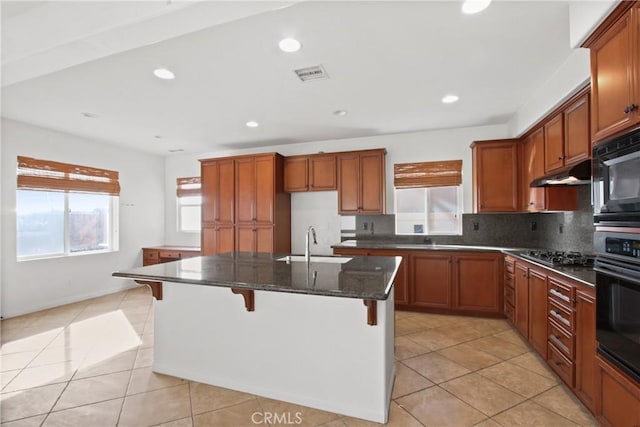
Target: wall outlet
[561,228]
[534,226]
[365,226]
[476,226]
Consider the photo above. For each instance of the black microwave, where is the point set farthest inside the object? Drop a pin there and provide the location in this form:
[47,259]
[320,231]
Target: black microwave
[616,181]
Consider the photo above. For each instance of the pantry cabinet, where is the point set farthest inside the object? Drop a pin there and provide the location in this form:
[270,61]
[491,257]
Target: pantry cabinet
[244,205]
[615,72]
[361,182]
[495,175]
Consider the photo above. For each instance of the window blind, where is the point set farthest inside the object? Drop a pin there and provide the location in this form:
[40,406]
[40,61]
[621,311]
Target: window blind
[427,174]
[36,174]
[188,186]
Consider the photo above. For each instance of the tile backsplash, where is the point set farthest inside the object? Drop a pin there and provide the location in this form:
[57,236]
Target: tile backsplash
[568,231]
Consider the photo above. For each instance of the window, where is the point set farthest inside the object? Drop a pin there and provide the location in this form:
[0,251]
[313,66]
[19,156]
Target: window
[428,197]
[65,209]
[189,204]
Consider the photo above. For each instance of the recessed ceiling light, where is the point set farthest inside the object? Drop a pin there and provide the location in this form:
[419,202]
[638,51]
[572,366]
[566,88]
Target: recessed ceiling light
[175,150]
[90,115]
[252,124]
[164,74]
[341,113]
[289,45]
[450,99]
[470,7]
[157,136]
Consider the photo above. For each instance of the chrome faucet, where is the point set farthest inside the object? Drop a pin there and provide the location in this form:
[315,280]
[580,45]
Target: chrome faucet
[307,251]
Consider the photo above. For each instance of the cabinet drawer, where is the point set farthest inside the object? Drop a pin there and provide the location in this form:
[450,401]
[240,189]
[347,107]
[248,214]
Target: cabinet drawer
[149,254]
[509,295]
[561,339]
[560,364]
[169,254]
[560,292]
[564,316]
[509,311]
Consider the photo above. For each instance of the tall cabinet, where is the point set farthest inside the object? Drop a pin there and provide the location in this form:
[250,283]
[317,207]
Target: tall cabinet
[244,205]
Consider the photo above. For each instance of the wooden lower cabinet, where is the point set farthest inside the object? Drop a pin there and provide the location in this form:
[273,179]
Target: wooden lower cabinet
[477,282]
[445,281]
[618,397]
[522,299]
[585,347]
[431,280]
[160,254]
[538,310]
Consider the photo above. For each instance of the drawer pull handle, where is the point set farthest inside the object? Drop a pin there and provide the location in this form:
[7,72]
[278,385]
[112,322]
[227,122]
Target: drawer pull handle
[557,293]
[558,363]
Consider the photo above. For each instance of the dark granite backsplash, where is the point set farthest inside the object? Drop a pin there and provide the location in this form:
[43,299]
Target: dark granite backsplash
[566,231]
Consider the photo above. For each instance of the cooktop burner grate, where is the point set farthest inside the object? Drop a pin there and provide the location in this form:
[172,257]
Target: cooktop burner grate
[560,258]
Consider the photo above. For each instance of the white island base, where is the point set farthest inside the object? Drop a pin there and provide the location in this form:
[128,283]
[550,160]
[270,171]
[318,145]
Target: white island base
[311,350]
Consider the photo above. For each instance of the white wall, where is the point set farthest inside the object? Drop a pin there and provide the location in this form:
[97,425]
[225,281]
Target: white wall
[33,285]
[585,16]
[565,82]
[321,210]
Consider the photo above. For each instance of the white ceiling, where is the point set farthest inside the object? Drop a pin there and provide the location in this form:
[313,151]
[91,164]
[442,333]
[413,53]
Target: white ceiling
[389,62]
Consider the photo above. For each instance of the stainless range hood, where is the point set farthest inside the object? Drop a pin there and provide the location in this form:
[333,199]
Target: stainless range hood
[578,174]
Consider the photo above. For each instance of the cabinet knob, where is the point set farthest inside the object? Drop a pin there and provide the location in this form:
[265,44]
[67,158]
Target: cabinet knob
[560,158]
[630,108]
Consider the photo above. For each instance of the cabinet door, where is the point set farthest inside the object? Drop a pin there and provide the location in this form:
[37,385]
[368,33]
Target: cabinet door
[538,311]
[296,174]
[264,239]
[577,133]
[495,175]
[586,365]
[348,183]
[246,238]
[264,195]
[553,144]
[431,279]
[401,284]
[322,173]
[209,188]
[245,190]
[534,168]
[217,239]
[618,402]
[522,299]
[612,78]
[372,183]
[477,282]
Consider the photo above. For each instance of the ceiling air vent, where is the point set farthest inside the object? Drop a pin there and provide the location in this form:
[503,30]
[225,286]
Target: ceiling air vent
[311,73]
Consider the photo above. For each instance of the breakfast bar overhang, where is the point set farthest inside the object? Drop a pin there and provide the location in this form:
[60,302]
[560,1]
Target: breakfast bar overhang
[318,333]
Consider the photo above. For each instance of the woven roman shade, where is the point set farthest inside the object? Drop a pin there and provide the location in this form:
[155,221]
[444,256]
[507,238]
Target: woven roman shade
[427,174]
[188,186]
[36,174]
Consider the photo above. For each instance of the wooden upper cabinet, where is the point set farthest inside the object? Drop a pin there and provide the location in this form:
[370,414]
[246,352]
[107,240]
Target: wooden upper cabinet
[361,182]
[495,175]
[322,173]
[553,144]
[316,172]
[255,190]
[577,131]
[533,167]
[615,75]
[296,176]
[218,191]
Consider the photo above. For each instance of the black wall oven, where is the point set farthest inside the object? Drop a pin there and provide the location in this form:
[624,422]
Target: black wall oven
[617,269]
[616,181]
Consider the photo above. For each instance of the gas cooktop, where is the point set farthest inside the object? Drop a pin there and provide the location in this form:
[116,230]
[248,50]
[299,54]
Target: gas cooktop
[559,258]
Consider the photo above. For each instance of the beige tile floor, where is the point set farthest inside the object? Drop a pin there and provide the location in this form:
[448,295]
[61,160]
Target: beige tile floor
[89,364]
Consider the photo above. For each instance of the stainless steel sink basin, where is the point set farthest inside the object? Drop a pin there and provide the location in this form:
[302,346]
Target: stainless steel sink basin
[328,259]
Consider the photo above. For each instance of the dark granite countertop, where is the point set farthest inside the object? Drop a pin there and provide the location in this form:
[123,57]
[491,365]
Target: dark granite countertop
[581,274]
[391,245]
[585,275]
[360,277]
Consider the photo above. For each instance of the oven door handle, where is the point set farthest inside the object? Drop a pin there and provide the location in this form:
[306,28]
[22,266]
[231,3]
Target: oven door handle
[618,272]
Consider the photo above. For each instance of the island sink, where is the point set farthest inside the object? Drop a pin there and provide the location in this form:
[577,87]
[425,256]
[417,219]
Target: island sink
[301,258]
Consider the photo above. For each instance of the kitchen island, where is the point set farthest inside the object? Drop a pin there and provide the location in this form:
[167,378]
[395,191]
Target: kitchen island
[318,333]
